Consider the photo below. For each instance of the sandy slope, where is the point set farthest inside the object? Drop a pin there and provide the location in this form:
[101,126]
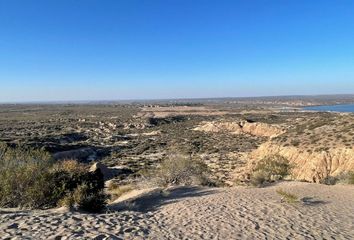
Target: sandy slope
[203,213]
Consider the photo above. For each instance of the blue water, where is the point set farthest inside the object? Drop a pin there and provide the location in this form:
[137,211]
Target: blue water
[332,108]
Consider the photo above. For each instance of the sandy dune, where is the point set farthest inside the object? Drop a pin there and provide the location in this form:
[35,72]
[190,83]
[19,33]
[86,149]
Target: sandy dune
[327,212]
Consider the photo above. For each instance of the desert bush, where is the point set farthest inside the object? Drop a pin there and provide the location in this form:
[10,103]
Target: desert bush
[346,178]
[182,170]
[350,178]
[83,198]
[24,177]
[78,188]
[69,165]
[30,179]
[329,180]
[270,168]
[258,178]
[86,198]
[67,201]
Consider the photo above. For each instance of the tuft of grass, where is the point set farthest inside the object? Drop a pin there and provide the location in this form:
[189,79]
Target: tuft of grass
[70,165]
[115,191]
[287,196]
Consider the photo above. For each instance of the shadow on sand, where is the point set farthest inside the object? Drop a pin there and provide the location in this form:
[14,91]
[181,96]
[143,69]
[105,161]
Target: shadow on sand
[311,201]
[152,201]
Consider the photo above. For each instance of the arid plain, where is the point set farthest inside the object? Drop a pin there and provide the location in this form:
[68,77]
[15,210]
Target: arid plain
[267,168]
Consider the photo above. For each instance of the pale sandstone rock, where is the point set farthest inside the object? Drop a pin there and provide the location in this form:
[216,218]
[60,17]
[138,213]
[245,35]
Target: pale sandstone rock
[241,127]
[309,166]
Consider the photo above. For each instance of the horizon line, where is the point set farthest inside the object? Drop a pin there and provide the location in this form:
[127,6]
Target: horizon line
[132,100]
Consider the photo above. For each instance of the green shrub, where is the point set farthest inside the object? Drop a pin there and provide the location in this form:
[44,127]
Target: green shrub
[24,177]
[83,198]
[67,201]
[182,170]
[87,199]
[30,179]
[270,168]
[77,187]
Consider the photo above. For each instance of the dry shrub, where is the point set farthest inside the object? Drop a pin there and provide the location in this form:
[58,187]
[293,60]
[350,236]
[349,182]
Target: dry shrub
[329,180]
[346,178]
[29,179]
[287,197]
[70,165]
[24,177]
[115,190]
[82,190]
[258,178]
[83,198]
[350,178]
[270,168]
[182,170]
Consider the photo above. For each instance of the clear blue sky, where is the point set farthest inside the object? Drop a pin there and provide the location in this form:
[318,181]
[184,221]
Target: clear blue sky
[138,49]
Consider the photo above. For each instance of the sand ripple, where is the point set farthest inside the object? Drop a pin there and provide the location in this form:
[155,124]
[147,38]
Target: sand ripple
[202,213]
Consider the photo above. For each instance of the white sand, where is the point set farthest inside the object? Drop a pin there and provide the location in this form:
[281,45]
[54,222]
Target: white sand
[202,213]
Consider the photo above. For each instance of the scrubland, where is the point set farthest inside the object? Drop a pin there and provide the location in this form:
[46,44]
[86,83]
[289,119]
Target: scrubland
[196,171]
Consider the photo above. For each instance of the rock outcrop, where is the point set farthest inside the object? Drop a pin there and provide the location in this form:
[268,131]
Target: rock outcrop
[109,172]
[308,165]
[241,127]
[85,154]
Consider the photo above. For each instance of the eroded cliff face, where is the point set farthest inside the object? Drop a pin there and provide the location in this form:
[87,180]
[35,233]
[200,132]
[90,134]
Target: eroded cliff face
[308,165]
[317,146]
[241,127]
[261,129]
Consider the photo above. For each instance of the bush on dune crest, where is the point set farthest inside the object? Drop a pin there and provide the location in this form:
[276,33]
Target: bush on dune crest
[30,179]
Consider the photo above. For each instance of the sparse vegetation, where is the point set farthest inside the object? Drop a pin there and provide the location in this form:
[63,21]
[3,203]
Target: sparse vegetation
[346,178]
[329,180]
[79,188]
[30,179]
[115,190]
[258,178]
[270,168]
[87,198]
[182,170]
[24,178]
[350,178]
[287,197]
[137,136]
